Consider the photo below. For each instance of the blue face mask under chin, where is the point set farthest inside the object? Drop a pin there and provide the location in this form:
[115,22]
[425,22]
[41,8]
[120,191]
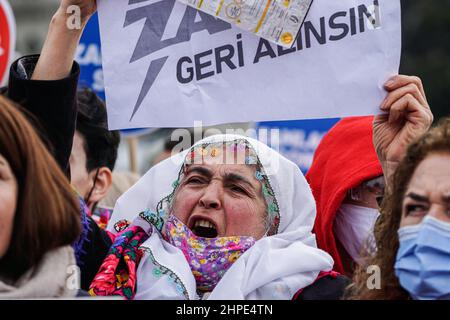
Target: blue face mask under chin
[423,259]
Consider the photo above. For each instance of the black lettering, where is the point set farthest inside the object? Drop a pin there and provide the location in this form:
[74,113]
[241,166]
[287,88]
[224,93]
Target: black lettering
[309,28]
[190,25]
[189,70]
[262,53]
[199,66]
[226,59]
[282,51]
[240,51]
[352,21]
[363,13]
[300,40]
[334,25]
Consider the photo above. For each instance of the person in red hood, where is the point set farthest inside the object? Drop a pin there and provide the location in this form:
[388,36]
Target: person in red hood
[346,179]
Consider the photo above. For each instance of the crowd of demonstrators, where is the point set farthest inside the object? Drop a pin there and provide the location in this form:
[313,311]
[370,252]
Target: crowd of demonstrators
[212,219]
[198,226]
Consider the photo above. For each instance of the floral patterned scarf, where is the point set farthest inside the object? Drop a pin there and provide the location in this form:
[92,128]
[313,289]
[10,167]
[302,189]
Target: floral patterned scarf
[208,258]
[117,274]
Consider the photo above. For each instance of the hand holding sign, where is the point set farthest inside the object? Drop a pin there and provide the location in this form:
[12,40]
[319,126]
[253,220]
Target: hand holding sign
[408,117]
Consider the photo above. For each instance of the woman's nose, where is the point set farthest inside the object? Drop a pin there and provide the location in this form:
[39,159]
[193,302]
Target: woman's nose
[211,198]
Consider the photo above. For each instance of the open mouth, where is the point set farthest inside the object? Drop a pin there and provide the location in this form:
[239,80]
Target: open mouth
[204,228]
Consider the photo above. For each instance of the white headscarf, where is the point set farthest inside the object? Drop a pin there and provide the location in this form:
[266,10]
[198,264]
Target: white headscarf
[276,267]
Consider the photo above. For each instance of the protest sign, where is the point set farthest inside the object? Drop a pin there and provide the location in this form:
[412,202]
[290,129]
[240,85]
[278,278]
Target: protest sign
[168,65]
[298,140]
[7,39]
[89,58]
[278,21]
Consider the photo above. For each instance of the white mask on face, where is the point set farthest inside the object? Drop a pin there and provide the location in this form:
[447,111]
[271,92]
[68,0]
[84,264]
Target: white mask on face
[353,227]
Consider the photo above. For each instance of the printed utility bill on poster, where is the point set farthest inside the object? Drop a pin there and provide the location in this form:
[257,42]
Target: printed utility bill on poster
[278,21]
[167,64]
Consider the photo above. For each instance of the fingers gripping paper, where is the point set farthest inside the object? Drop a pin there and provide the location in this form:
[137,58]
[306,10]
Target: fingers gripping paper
[167,64]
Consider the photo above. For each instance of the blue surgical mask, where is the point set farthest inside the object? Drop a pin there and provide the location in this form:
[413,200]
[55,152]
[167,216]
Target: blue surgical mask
[423,259]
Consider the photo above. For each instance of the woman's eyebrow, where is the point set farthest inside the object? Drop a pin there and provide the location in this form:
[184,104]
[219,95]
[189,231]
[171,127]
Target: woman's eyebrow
[200,170]
[233,177]
[417,197]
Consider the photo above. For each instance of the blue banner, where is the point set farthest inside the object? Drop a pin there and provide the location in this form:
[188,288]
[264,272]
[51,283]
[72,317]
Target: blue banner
[298,140]
[90,59]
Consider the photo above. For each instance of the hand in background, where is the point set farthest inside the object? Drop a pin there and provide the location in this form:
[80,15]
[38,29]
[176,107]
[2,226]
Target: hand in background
[62,40]
[408,117]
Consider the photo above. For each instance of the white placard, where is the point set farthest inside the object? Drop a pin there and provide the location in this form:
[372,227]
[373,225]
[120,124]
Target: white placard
[168,65]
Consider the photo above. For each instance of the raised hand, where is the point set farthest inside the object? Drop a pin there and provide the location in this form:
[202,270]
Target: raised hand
[408,117]
[63,37]
[87,8]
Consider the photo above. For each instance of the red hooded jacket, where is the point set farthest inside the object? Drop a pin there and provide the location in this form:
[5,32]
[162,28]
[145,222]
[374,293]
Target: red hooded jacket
[344,159]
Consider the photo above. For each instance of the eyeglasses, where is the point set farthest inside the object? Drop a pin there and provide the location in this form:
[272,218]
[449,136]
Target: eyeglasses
[369,192]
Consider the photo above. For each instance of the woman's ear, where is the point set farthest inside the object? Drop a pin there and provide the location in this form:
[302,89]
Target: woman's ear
[102,185]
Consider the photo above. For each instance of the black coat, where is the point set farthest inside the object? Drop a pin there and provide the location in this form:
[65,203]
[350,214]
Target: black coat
[331,287]
[52,109]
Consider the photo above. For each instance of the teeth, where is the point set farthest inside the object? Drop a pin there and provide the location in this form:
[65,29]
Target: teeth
[204,223]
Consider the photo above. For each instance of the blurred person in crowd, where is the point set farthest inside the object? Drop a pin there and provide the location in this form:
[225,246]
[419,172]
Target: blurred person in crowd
[347,181]
[94,154]
[39,215]
[166,152]
[347,178]
[413,232]
[121,182]
[46,86]
[171,144]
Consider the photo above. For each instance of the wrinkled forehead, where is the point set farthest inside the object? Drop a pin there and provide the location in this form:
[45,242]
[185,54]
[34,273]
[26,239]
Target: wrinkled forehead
[432,176]
[237,152]
[223,161]
[212,169]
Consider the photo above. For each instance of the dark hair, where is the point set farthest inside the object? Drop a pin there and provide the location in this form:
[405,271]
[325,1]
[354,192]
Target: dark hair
[169,144]
[436,140]
[47,213]
[100,144]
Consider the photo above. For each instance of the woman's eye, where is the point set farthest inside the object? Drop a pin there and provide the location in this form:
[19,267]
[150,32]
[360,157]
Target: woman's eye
[195,181]
[238,189]
[415,209]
